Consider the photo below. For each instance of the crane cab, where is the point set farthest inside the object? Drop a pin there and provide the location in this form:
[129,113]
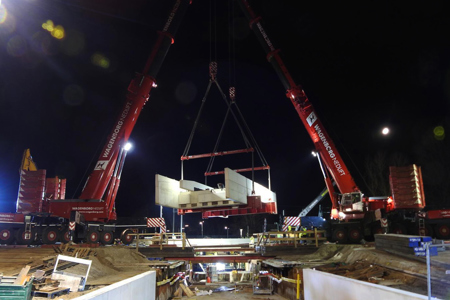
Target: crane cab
[351,202]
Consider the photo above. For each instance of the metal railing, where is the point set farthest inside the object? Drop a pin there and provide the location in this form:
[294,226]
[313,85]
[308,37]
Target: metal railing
[438,269]
[290,237]
[162,239]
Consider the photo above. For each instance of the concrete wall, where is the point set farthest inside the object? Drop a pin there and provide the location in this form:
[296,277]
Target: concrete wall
[183,194]
[142,286]
[324,286]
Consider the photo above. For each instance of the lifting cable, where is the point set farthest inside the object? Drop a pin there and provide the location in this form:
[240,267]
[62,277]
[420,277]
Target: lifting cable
[236,115]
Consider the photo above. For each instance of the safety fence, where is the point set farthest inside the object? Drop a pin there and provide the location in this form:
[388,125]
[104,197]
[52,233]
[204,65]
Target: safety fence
[161,239]
[438,269]
[290,237]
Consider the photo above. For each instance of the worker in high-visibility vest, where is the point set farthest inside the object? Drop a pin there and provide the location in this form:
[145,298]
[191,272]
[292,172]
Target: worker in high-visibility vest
[302,234]
[290,229]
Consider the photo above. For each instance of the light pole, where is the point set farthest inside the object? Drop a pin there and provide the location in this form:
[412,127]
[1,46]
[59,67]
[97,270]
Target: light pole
[227,228]
[184,228]
[201,224]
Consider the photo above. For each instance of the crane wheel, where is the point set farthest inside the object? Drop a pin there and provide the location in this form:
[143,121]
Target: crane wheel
[377,229]
[6,236]
[425,231]
[442,231]
[398,228]
[355,235]
[64,236]
[340,235]
[93,236]
[106,237]
[126,238]
[24,237]
[49,235]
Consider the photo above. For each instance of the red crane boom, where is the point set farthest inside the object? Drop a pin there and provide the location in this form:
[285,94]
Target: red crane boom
[97,199]
[335,166]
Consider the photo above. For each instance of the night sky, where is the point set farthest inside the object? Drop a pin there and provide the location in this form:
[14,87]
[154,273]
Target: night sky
[363,66]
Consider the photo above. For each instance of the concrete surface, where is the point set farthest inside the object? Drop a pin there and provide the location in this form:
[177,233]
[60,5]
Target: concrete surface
[142,286]
[242,292]
[343,288]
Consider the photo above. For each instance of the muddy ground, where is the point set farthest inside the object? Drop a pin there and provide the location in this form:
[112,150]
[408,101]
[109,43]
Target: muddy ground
[362,262]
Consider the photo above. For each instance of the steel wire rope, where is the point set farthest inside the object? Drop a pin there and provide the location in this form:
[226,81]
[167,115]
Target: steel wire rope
[232,79]
[248,143]
[191,136]
[94,156]
[213,79]
[337,137]
[232,75]
[232,72]
[216,146]
[230,51]
[251,143]
[231,46]
[229,110]
[229,105]
[253,140]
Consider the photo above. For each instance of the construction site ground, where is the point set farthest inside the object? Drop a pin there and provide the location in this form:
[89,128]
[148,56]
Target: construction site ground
[115,263]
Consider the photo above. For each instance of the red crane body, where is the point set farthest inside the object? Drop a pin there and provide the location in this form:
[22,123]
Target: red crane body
[335,166]
[96,203]
[97,199]
[356,216]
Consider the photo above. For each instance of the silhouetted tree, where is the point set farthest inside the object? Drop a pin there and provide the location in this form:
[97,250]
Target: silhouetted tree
[432,152]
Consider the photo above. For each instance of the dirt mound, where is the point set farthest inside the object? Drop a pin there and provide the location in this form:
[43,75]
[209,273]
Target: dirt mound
[111,262]
[118,255]
[386,259]
[325,252]
[348,254]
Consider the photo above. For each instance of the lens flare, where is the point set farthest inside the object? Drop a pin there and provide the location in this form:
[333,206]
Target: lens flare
[16,46]
[3,13]
[100,60]
[73,43]
[48,25]
[57,31]
[439,133]
[74,95]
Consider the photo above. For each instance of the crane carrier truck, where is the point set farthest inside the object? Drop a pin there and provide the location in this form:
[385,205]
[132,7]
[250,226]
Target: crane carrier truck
[91,217]
[354,215]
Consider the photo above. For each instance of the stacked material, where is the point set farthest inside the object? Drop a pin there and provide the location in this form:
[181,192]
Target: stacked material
[404,244]
[35,189]
[31,191]
[55,188]
[407,187]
